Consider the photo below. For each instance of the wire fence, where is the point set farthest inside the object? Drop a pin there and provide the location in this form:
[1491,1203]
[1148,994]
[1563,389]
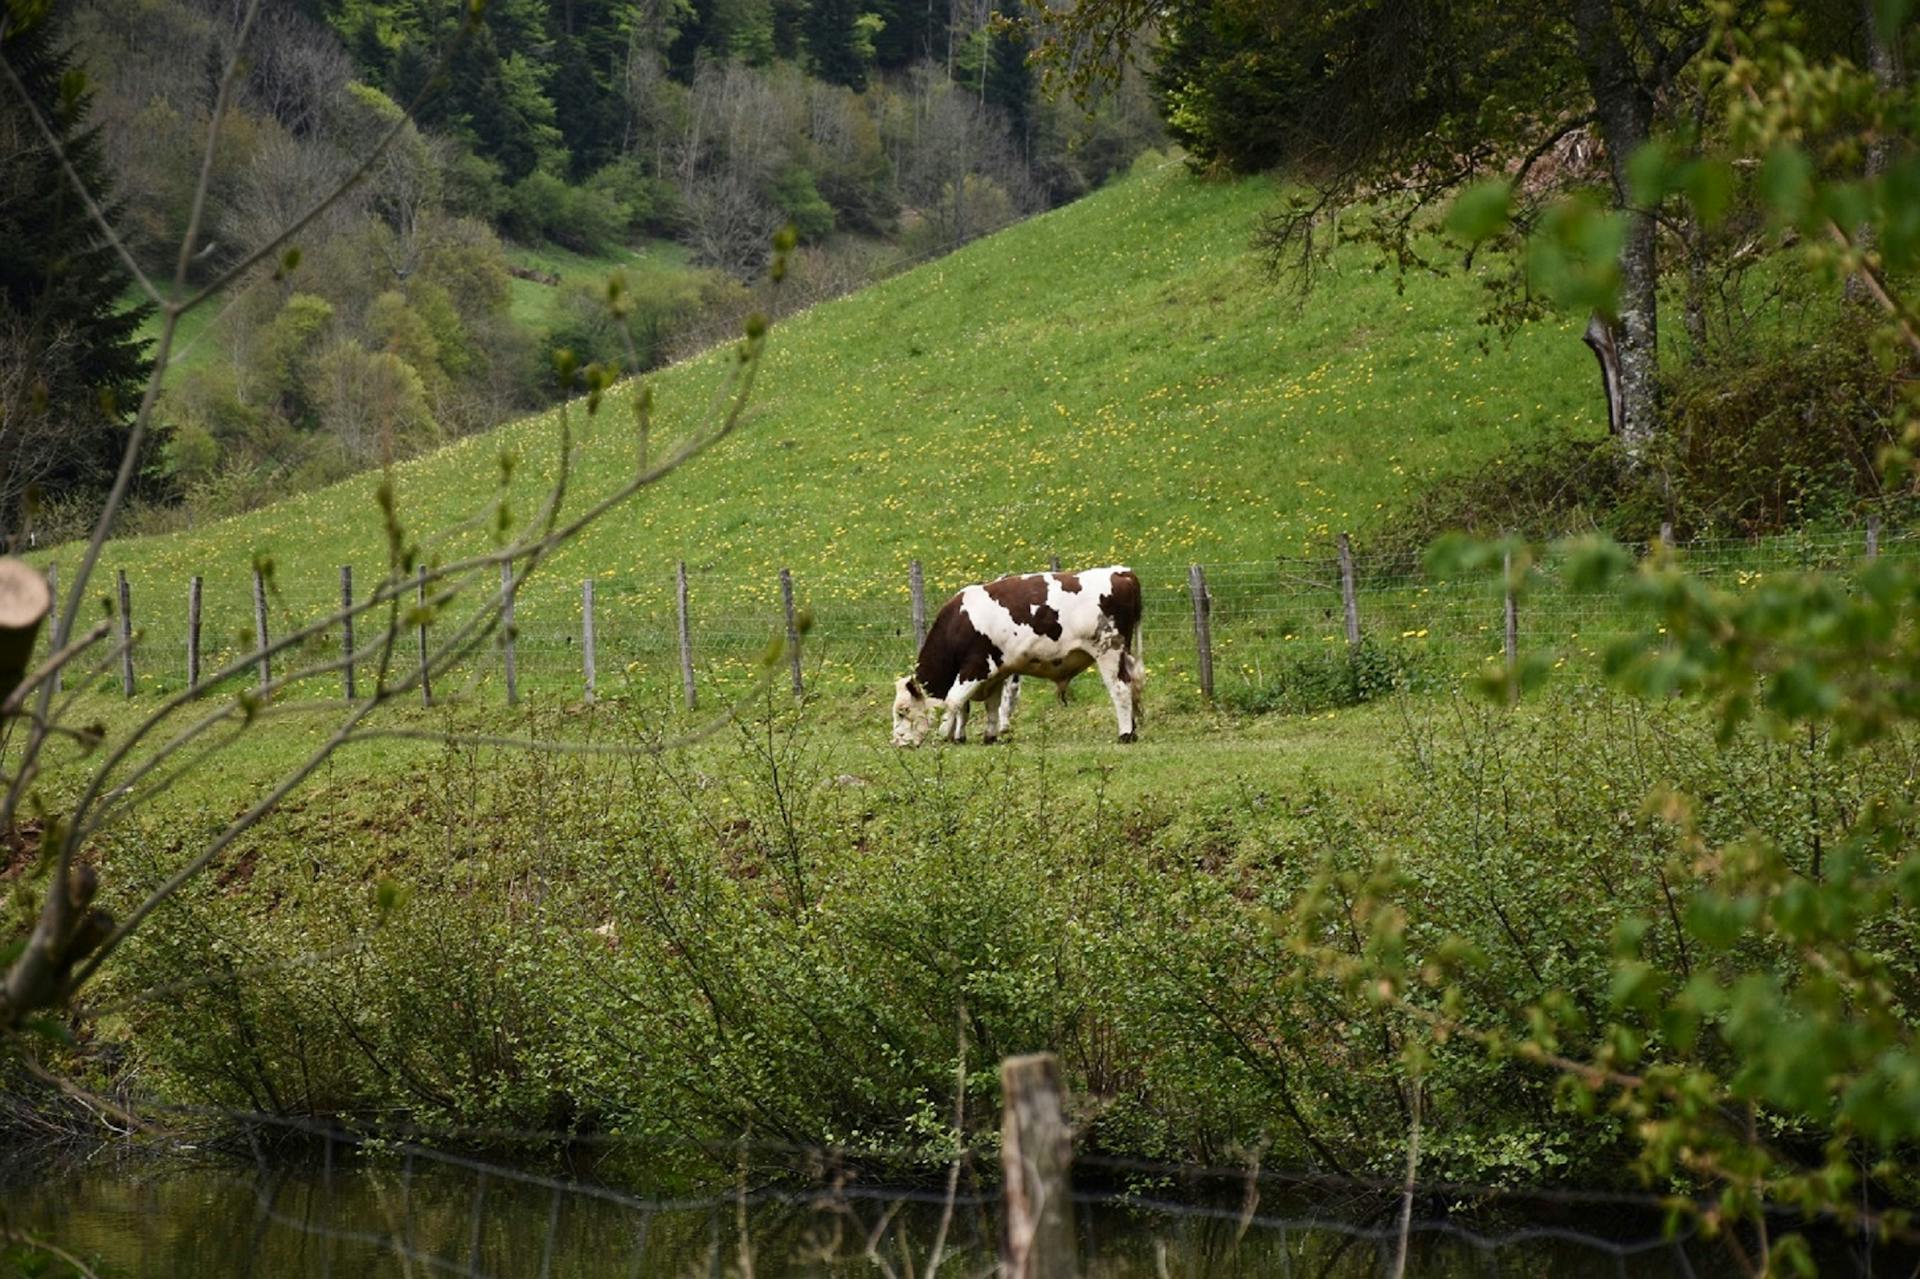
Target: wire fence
[1274,629]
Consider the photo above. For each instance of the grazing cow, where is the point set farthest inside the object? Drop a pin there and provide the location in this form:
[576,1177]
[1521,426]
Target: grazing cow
[1049,625]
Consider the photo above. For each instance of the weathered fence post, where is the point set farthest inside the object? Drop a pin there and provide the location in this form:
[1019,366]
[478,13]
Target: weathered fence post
[1666,534]
[346,625]
[260,628]
[193,633]
[1202,626]
[586,633]
[1512,623]
[126,636]
[1054,560]
[59,640]
[917,588]
[686,634]
[1873,539]
[506,630]
[1349,598]
[793,632]
[426,667]
[1036,1153]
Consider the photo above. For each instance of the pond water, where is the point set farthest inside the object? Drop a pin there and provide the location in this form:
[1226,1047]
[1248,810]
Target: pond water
[163,1219]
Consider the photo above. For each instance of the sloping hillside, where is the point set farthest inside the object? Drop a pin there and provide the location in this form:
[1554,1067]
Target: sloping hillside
[1117,379]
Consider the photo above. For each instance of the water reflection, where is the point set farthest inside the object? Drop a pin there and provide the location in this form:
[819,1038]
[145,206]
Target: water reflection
[406,1218]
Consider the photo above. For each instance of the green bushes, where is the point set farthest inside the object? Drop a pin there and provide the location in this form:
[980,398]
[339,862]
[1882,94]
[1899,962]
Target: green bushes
[1786,436]
[586,219]
[1302,682]
[679,952]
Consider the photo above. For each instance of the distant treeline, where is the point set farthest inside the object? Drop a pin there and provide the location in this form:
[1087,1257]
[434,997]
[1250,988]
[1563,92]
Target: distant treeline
[590,125]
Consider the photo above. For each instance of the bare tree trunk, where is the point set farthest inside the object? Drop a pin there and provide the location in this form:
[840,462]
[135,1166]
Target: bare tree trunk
[1695,316]
[1883,57]
[1625,109]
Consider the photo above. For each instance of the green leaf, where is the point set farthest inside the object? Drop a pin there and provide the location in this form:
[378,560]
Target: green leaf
[1482,211]
[1786,183]
[1651,172]
[1708,185]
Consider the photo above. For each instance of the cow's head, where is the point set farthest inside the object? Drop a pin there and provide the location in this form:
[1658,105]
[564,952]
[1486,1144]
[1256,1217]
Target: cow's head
[912,712]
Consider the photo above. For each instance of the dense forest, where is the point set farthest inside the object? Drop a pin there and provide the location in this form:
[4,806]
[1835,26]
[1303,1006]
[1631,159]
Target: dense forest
[666,142]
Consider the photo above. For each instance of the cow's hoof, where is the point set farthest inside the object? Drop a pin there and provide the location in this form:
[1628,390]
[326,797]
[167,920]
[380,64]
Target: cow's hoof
[1126,739]
[988,741]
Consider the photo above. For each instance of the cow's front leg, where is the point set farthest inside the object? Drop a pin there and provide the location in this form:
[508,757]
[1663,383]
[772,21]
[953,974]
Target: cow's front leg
[958,700]
[1112,666]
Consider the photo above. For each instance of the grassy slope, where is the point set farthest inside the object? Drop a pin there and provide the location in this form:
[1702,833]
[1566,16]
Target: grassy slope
[1113,380]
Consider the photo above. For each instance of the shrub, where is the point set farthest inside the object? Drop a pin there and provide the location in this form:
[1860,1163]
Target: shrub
[585,219]
[795,194]
[1789,436]
[372,403]
[1319,680]
[648,205]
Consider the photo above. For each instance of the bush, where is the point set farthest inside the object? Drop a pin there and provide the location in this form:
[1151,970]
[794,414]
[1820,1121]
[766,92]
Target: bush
[1763,445]
[795,194]
[677,950]
[1790,436]
[372,403]
[1319,680]
[649,205]
[584,219]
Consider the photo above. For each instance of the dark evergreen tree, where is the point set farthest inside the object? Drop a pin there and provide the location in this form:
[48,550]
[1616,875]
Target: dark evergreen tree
[1010,84]
[911,31]
[64,323]
[833,42]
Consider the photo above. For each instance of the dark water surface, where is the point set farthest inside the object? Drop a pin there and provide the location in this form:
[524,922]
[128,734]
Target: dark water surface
[171,1219]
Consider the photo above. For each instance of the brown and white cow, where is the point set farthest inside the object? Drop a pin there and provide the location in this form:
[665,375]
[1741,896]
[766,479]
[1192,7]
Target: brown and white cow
[1049,625]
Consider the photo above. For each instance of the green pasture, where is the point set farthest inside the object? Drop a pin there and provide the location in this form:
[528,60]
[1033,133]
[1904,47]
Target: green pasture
[1115,380]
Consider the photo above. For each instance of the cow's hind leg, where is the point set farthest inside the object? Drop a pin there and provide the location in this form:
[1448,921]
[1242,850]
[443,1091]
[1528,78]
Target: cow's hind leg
[1113,665]
[1009,698]
[993,697]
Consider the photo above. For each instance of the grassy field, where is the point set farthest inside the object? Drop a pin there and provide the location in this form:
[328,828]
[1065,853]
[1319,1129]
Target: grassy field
[1114,380]
[662,948]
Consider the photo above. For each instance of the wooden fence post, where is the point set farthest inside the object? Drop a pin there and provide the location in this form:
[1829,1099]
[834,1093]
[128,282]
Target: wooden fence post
[586,633]
[346,625]
[193,633]
[917,587]
[686,634]
[1202,626]
[25,601]
[1036,1153]
[1349,597]
[59,640]
[126,636]
[1873,538]
[793,632]
[506,630]
[260,628]
[125,596]
[1666,534]
[1054,560]
[426,668]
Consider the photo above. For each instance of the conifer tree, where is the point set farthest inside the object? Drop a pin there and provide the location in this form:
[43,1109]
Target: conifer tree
[71,362]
